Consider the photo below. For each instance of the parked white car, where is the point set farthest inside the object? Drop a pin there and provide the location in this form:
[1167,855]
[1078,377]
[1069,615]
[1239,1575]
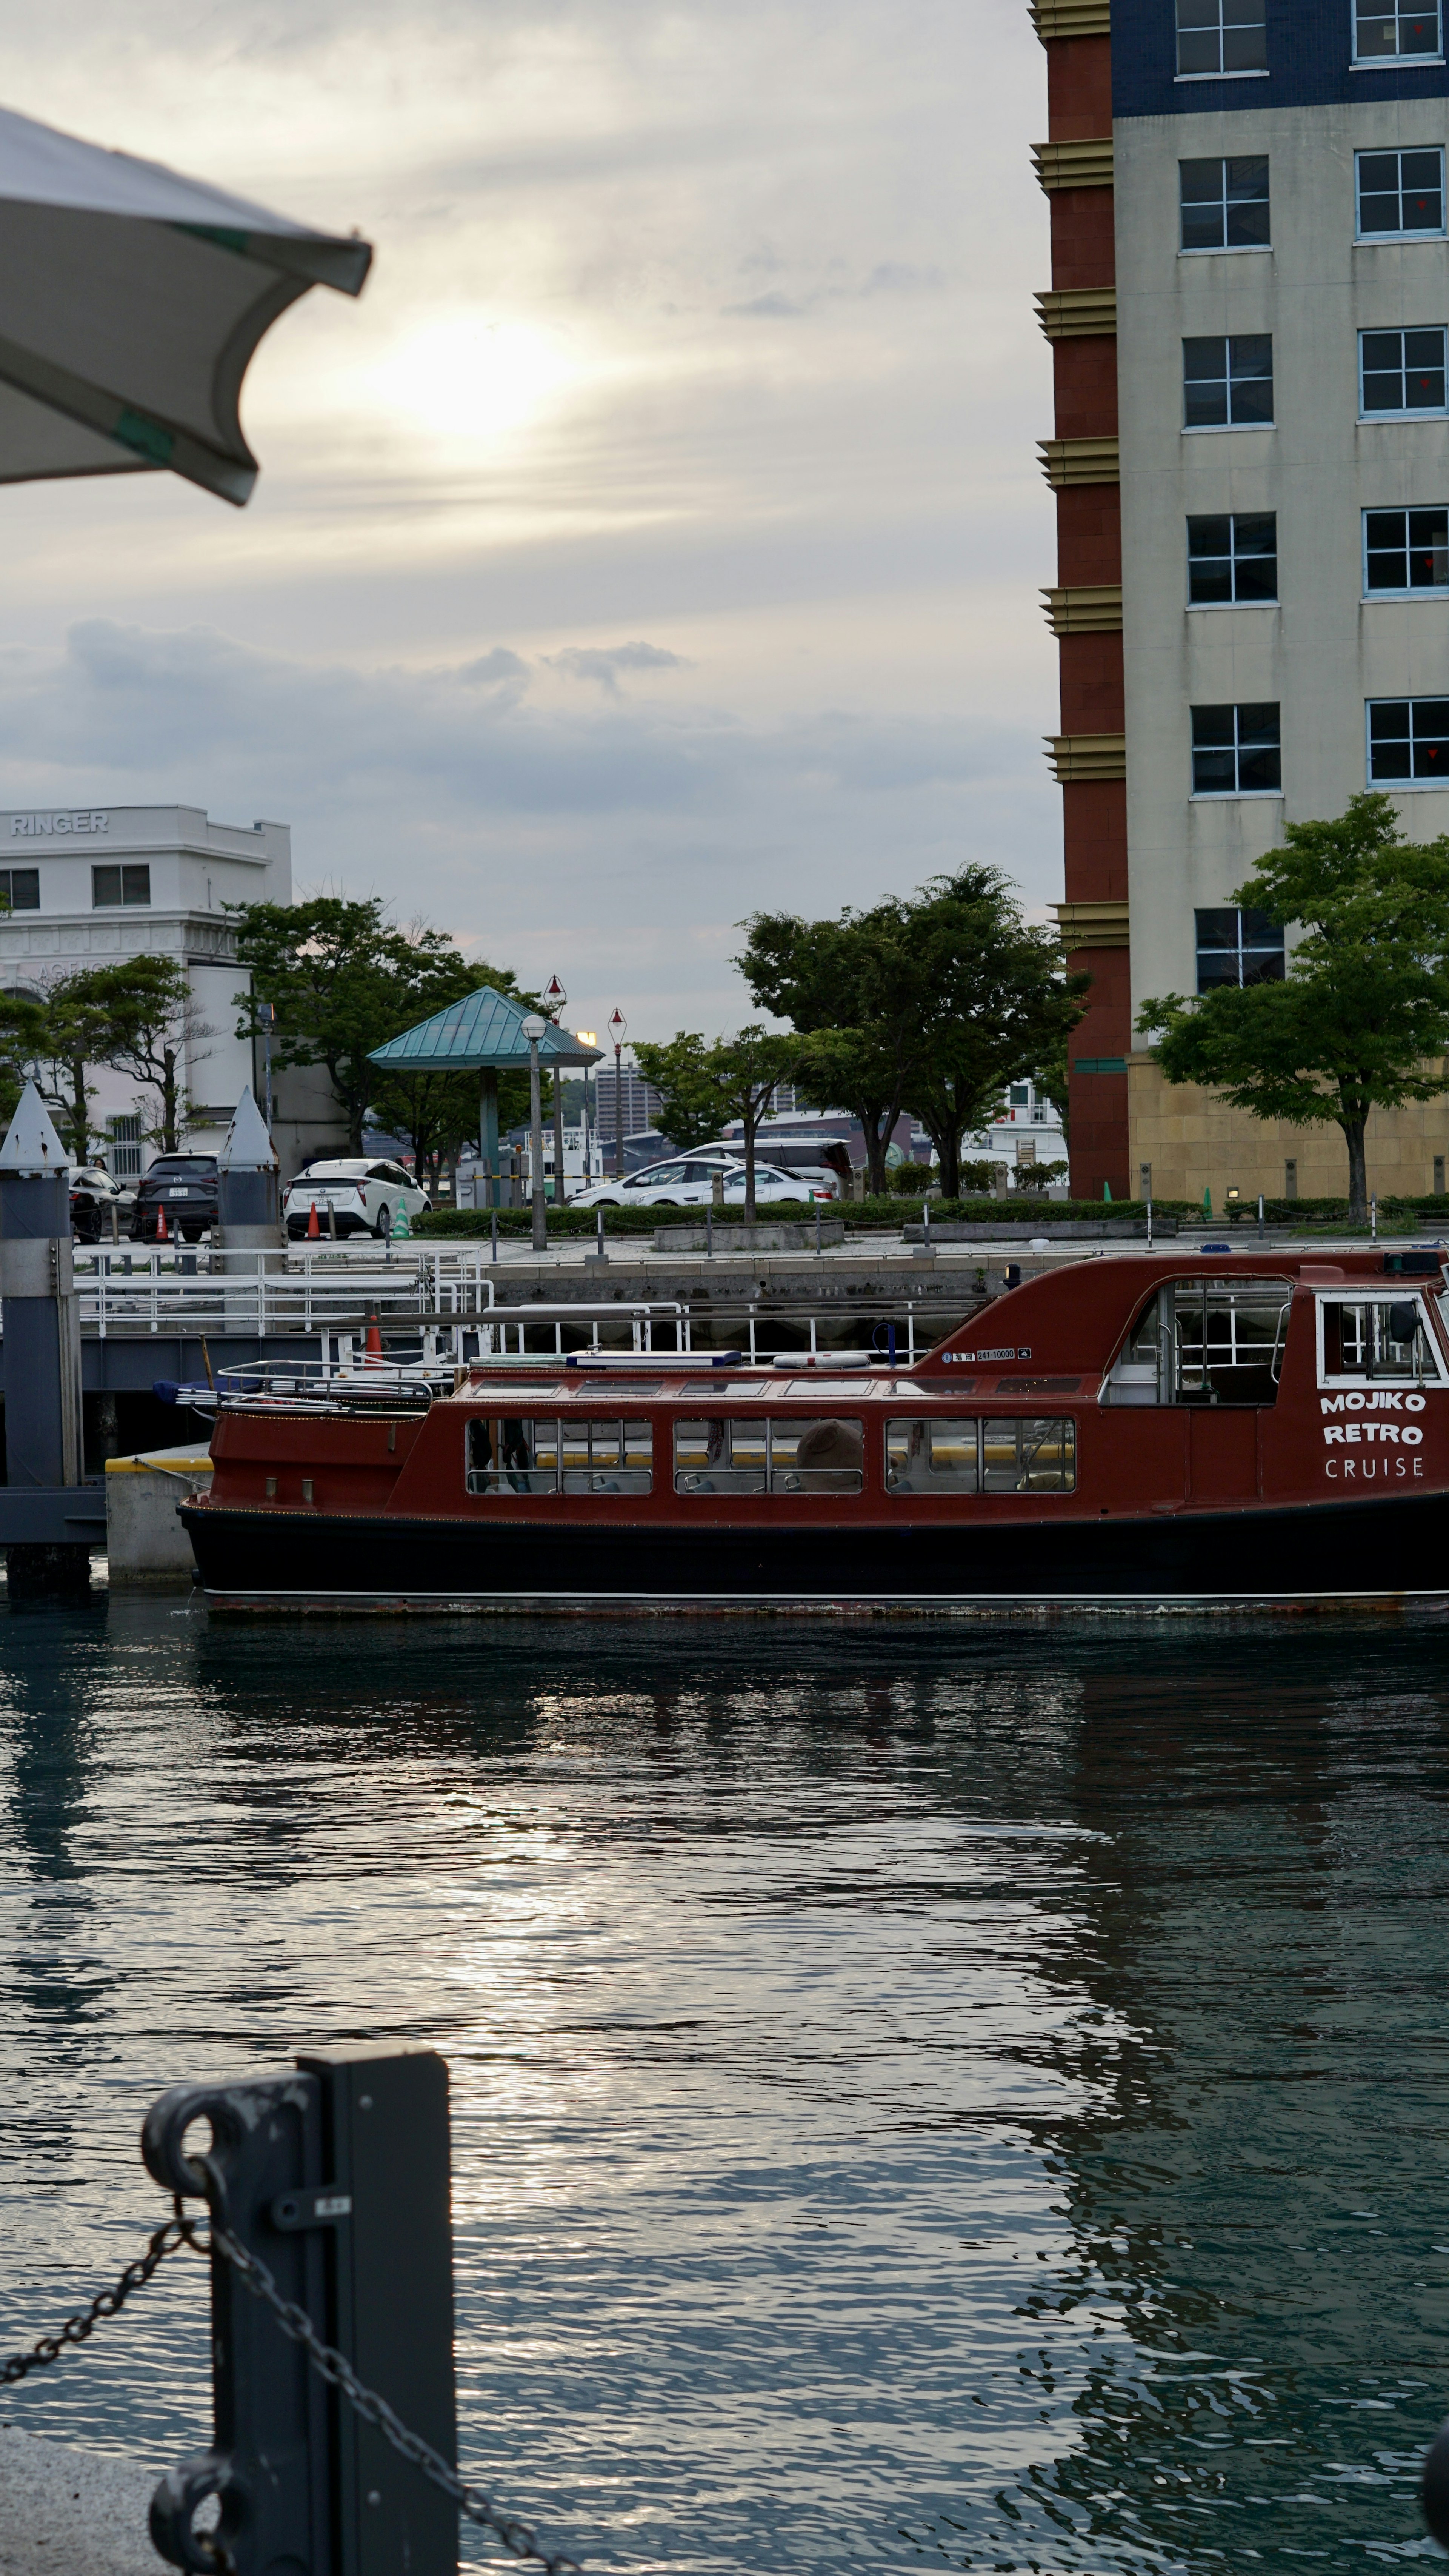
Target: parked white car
[798,1159]
[688,1181]
[352,1197]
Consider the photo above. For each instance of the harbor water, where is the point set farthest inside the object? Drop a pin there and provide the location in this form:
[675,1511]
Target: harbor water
[969,2095]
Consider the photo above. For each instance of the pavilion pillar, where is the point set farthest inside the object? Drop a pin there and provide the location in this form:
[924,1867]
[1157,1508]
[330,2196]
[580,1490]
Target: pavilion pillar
[488,1133]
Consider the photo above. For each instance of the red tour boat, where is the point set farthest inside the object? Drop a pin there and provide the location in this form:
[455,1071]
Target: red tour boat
[1131,1429]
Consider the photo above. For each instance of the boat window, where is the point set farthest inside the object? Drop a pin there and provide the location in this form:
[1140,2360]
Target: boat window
[825,1457]
[721,1456]
[938,1456]
[535,1454]
[1014,1454]
[1205,1341]
[1375,1340]
[743,1454]
[1020,1455]
[606,1457]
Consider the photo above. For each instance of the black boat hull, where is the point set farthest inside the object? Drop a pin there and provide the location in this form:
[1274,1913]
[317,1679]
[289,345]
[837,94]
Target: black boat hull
[1317,1554]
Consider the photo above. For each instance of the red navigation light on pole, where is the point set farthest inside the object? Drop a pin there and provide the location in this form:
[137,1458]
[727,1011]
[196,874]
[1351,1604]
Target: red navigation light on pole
[554,997]
[617,1026]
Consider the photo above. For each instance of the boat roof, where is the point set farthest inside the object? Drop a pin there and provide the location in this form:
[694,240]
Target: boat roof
[1074,1315]
[1054,1335]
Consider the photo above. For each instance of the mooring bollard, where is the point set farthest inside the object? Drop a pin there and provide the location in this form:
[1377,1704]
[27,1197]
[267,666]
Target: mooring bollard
[335,2179]
[248,1212]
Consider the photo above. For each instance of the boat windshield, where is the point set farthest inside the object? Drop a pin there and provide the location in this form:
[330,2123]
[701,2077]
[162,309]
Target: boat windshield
[1205,1341]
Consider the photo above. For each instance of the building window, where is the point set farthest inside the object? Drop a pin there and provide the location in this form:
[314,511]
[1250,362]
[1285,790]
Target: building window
[1408,738]
[124,1153]
[1218,36]
[1225,203]
[1235,751]
[1232,558]
[1405,550]
[20,888]
[120,885]
[1238,948]
[1228,383]
[1382,35]
[1399,193]
[1400,372]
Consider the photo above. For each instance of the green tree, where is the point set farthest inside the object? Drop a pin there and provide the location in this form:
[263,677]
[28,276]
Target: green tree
[140,1018]
[736,1077]
[72,1037]
[851,987]
[689,1100]
[930,1003]
[994,1001]
[343,979]
[1361,1019]
[22,1049]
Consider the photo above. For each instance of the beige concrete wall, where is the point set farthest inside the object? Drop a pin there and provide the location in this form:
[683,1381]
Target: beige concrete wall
[1195,1142]
[1323,649]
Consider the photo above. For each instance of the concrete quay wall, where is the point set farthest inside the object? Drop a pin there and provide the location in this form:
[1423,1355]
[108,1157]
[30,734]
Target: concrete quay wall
[67,2512]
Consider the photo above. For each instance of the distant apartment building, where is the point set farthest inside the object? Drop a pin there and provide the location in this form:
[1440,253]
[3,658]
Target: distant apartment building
[1248,315]
[640,1101]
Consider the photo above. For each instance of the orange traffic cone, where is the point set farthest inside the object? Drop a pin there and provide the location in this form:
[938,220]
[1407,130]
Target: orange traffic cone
[161,1234]
[373,1347]
[314,1231]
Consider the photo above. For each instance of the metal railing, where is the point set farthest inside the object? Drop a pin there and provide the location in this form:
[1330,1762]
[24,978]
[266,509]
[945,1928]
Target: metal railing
[257,1294]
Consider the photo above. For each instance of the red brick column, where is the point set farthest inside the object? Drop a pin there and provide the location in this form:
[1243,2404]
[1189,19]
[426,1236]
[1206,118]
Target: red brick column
[1089,561]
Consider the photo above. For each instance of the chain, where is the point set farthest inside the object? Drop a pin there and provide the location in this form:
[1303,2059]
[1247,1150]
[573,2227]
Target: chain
[332,2366]
[177,2231]
[328,2363]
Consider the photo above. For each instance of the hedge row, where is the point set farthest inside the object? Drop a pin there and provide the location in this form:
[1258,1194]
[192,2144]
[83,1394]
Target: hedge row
[871,1215]
[874,1215]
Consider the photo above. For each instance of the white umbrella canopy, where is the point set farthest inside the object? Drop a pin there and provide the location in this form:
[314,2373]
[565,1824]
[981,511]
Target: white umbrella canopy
[131,301]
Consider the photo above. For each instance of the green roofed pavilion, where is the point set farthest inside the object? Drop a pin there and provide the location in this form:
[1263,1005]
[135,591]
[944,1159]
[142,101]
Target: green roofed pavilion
[482,1034]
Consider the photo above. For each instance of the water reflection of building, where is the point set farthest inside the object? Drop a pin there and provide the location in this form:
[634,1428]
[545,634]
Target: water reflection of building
[1245,2351]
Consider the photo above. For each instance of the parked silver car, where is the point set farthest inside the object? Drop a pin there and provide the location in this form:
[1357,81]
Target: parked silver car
[688,1181]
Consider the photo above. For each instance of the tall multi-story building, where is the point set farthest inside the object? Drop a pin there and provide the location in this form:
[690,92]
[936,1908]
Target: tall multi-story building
[1248,311]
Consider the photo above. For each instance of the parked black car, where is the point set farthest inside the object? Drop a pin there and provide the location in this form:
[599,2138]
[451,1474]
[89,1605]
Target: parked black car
[100,1205]
[185,1186]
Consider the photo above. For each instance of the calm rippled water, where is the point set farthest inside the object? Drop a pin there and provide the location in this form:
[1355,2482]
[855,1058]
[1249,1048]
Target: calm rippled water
[967,2097]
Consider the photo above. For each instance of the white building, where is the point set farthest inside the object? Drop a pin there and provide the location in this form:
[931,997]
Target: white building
[91,885]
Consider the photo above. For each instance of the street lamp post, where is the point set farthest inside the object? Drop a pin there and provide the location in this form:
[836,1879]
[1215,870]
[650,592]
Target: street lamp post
[588,1038]
[553,1001]
[266,1021]
[533,1030]
[617,1027]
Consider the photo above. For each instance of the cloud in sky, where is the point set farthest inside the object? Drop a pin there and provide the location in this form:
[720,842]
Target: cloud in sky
[604,662]
[707,330]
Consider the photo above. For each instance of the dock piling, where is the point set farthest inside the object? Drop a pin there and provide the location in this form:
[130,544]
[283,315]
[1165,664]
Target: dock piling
[41,1327]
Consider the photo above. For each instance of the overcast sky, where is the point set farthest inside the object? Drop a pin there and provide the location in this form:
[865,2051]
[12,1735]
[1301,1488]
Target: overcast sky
[660,535]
